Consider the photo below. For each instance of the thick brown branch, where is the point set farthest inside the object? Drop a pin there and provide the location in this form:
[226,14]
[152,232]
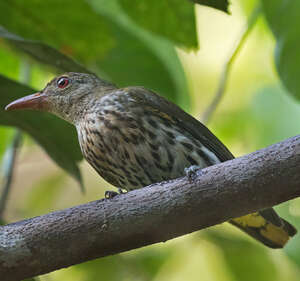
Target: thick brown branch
[150,215]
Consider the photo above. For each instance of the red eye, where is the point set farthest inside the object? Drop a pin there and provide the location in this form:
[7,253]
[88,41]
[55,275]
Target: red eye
[63,82]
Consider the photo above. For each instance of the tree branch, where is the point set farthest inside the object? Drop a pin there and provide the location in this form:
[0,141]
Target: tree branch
[150,215]
[8,168]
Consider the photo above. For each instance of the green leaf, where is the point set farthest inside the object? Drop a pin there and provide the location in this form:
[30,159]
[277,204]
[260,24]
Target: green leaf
[172,19]
[5,134]
[42,52]
[283,18]
[56,136]
[221,5]
[141,58]
[71,26]
[10,64]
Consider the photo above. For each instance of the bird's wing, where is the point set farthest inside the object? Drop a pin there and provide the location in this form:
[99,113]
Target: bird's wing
[265,225]
[185,121]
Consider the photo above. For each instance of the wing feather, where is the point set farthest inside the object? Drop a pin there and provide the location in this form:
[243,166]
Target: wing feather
[185,121]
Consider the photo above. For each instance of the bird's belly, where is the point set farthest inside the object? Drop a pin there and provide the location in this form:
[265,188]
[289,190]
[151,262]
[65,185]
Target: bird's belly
[130,158]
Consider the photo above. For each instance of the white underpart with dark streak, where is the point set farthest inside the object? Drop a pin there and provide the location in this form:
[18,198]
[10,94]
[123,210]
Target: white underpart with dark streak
[132,161]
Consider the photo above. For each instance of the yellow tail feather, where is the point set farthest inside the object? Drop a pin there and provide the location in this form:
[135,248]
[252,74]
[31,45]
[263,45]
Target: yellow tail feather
[266,227]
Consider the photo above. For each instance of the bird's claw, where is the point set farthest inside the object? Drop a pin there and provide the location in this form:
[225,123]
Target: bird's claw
[109,194]
[191,172]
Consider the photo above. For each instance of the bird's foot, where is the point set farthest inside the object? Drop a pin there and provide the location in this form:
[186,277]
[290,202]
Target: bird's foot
[191,172]
[109,194]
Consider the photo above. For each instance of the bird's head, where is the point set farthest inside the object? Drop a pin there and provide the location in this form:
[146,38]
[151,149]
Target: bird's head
[64,96]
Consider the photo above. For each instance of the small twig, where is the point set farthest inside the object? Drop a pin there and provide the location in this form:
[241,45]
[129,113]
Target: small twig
[227,67]
[12,150]
[8,168]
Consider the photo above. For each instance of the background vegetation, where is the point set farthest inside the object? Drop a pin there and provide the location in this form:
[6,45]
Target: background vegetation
[179,50]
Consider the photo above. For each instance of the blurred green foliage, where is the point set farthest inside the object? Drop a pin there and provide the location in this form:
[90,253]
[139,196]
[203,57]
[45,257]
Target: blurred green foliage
[42,52]
[132,43]
[241,258]
[72,28]
[177,22]
[283,18]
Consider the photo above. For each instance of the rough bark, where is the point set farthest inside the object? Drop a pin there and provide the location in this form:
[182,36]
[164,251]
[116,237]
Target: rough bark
[152,214]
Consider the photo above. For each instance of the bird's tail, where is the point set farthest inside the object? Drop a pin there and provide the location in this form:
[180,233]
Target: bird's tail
[267,227]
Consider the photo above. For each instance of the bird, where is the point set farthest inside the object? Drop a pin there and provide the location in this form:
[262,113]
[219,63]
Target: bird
[134,137]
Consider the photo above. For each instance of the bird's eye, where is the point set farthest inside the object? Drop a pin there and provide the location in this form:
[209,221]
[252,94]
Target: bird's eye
[63,82]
